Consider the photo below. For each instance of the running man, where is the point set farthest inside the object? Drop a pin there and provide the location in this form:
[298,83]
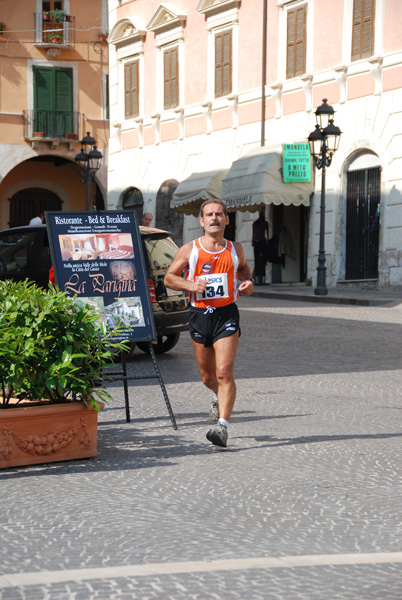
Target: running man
[213,267]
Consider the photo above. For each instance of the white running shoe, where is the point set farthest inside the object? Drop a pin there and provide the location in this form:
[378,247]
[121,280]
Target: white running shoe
[218,435]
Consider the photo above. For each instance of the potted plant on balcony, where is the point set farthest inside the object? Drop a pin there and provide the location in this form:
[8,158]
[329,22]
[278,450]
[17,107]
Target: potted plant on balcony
[2,27]
[57,15]
[56,38]
[52,355]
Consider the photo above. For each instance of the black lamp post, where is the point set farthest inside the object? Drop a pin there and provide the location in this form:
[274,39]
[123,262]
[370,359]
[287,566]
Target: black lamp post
[88,161]
[324,142]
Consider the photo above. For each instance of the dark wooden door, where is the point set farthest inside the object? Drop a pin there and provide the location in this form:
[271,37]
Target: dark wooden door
[362,224]
[26,204]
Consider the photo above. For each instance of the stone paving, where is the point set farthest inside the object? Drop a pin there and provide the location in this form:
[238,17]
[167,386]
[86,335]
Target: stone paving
[310,482]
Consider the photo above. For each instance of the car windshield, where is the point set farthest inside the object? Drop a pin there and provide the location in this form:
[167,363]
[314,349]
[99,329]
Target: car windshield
[161,252]
[15,249]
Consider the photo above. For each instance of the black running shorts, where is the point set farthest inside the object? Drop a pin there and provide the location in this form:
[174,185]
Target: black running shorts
[208,325]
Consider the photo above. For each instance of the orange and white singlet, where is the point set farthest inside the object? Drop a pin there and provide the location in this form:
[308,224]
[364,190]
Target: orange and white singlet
[220,271]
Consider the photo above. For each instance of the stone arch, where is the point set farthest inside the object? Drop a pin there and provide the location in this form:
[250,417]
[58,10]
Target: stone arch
[166,218]
[132,199]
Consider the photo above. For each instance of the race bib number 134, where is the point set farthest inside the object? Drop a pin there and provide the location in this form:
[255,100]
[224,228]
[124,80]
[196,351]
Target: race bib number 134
[217,286]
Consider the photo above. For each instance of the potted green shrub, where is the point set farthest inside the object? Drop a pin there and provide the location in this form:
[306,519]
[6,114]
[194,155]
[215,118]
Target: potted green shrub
[56,38]
[57,15]
[52,355]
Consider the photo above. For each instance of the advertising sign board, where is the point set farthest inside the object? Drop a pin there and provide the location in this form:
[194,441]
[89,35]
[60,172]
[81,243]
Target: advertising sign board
[98,257]
[296,163]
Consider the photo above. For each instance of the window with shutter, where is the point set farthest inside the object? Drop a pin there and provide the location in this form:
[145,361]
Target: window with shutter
[170,78]
[131,90]
[363,29]
[223,64]
[53,101]
[296,42]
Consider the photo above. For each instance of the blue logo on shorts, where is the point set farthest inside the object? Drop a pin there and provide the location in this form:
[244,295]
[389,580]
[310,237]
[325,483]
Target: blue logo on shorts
[206,268]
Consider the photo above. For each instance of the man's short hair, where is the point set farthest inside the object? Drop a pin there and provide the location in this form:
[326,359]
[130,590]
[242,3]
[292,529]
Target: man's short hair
[220,202]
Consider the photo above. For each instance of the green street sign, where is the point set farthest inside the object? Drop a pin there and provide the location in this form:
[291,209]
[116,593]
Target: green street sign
[296,163]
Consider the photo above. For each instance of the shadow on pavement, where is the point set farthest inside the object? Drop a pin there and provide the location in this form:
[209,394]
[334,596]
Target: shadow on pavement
[321,438]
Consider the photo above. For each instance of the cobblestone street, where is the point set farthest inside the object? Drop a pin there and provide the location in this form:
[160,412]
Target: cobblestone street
[305,503]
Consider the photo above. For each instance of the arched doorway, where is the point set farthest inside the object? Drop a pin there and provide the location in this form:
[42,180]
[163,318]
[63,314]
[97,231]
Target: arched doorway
[363,218]
[28,203]
[165,217]
[133,200]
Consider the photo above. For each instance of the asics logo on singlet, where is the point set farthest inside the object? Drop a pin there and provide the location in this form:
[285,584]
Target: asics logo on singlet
[215,257]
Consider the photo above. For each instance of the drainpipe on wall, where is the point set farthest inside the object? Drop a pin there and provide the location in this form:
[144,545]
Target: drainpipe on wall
[264,70]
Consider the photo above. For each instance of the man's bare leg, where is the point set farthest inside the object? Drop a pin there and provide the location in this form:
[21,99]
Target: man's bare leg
[225,355]
[216,368]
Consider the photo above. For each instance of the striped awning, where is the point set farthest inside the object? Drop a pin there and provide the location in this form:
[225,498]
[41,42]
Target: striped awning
[198,187]
[256,179]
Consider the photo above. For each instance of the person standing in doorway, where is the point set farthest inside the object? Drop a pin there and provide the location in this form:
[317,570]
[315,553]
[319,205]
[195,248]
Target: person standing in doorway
[39,220]
[213,266]
[259,243]
[146,219]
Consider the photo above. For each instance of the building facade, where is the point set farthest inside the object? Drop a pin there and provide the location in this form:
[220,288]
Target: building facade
[53,89]
[197,86]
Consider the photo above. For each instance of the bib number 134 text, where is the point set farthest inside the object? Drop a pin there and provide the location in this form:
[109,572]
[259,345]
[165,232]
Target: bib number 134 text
[217,287]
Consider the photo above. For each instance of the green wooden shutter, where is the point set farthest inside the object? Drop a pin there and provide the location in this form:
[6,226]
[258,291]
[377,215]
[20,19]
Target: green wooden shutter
[63,102]
[42,80]
[53,100]
[363,29]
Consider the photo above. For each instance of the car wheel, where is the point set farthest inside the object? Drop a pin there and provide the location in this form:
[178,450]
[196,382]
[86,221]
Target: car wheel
[127,353]
[163,344]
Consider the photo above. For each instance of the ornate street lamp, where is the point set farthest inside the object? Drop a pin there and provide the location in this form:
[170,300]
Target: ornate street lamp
[324,142]
[88,161]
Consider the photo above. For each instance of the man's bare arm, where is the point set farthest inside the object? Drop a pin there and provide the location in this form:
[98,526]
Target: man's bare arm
[243,271]
[173,279]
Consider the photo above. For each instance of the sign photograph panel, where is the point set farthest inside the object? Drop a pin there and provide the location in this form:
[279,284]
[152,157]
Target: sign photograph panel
[98,258]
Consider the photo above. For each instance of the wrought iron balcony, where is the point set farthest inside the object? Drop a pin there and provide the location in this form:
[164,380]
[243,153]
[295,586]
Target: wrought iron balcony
[50,33]
[51,125]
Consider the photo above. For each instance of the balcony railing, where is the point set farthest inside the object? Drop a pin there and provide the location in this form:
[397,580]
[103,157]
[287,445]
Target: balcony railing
[49,33]
[52,125]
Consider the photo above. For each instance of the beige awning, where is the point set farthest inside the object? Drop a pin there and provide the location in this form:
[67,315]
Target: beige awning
[191,192]
[256,179]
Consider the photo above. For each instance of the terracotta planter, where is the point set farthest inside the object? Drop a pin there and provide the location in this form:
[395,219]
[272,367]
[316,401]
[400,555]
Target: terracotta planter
[47,433]
[38,134]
